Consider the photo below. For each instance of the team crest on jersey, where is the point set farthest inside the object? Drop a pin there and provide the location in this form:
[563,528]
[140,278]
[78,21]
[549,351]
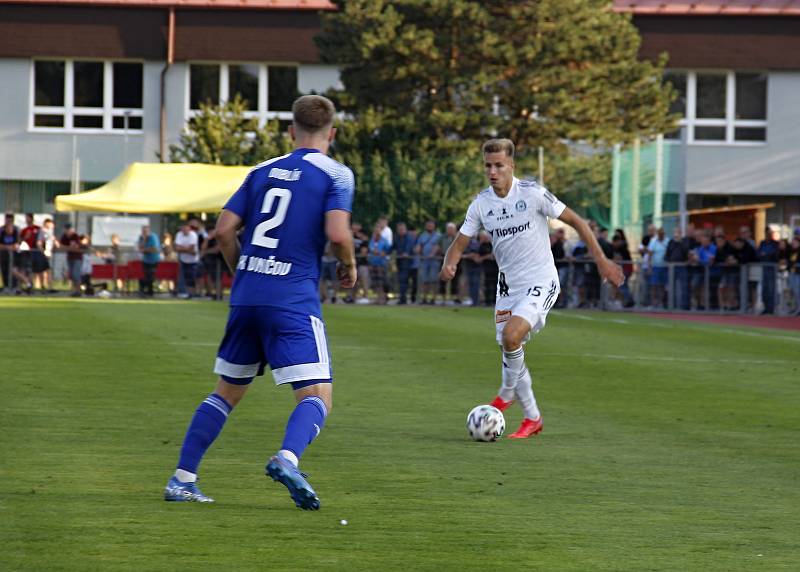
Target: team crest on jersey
[521,206]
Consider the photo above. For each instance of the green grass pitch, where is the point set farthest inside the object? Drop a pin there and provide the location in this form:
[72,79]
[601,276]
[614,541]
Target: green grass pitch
[666,446]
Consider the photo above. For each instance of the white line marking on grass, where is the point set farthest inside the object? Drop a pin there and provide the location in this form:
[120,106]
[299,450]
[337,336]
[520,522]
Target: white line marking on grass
[91,342]
[577,316]
[535,353]
[378,349]
[695,326]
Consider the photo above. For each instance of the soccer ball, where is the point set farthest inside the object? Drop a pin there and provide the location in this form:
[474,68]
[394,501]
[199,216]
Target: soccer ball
[485,423]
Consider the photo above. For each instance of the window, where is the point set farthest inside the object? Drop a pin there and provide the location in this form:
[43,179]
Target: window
[268,90]
[243,80]
[204,86]
[91,96]
[282,88]
[720,107]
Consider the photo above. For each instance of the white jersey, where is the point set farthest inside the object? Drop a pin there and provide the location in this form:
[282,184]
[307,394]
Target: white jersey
[520,234]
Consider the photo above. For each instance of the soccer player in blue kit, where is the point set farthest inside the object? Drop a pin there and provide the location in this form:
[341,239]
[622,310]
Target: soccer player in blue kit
[283,214]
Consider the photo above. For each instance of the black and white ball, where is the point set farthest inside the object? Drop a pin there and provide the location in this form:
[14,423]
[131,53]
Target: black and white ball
[485,423]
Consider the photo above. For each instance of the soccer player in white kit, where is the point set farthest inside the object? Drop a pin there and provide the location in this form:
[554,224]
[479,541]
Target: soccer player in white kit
[515,214]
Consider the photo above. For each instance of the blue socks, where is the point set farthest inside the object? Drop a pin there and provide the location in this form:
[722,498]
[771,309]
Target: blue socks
[204,428]
[305,423]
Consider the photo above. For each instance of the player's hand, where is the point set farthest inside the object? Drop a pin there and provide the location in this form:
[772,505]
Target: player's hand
[347,275]
[611,271]
[447,272]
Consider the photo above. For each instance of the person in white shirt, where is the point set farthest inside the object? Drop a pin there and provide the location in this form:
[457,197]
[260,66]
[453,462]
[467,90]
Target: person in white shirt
[386,231]
[515,214]
[188,257]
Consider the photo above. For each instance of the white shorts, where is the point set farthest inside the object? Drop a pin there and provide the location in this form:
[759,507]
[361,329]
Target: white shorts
[531,303]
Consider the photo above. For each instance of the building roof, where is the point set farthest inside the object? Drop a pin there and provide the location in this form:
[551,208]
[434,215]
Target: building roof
[710,7]
[226,4]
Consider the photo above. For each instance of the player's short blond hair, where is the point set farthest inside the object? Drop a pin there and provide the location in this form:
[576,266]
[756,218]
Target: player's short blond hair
[499,146]
[313,113]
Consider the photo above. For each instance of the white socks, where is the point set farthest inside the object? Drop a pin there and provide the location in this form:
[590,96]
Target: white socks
[513,366]
[524,393]
[289,456]
[185,476]
[517,382]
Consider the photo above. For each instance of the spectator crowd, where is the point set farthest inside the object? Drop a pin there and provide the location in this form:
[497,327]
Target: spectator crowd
[701,270]
[27,260]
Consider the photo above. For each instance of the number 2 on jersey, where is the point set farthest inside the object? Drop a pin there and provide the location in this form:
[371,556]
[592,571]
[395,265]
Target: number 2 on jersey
[284,197]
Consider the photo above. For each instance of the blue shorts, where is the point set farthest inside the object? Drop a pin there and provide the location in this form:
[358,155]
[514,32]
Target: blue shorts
[328,271]
[292,343]
[658,276]
[430,270]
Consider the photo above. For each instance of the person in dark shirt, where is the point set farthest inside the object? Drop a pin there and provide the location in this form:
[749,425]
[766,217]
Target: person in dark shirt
[746,255]
[403,247]
[490,269]
[678,256]
[794,272]
[474,271]
[605,245]
[608,251]
[622,256]
[726,259]
[214,264]
[720,282]
[690,238]
[74,245]
[29,235]
[769,255]
[557,242]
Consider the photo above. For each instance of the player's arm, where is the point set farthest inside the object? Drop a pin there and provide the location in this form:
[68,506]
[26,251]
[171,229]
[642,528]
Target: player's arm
[450,263]
[608,270]
[228,225]
[337,229]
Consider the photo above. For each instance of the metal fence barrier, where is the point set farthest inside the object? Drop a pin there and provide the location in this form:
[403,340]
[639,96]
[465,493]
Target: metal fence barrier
[754,288]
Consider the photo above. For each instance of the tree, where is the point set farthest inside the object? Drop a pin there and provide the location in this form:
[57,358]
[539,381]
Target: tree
[222,135]
[424,80]
[544,72]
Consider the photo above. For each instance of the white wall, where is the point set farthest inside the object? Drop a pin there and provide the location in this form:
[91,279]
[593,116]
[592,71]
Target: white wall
[769,169]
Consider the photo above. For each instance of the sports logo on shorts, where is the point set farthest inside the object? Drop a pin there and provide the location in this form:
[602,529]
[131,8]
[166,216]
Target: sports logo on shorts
[502,316]
[521,206]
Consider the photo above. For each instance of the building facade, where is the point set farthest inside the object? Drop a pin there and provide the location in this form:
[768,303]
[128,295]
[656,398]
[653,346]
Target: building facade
[87,87]
[92,85]
[736,67]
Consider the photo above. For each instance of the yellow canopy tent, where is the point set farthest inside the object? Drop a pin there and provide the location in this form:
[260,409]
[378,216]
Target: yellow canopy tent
[160,188]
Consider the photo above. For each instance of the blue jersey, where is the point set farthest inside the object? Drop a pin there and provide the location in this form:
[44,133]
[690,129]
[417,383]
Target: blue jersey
[283,203]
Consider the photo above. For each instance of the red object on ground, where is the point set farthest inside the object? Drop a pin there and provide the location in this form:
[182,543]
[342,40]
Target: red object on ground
[528,428]
[778,322]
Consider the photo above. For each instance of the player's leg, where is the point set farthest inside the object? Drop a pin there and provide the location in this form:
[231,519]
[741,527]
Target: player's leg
[298,355]
[314,404]
[518,332]
[529,315]
[507,328]
[240,358]
[514,331]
